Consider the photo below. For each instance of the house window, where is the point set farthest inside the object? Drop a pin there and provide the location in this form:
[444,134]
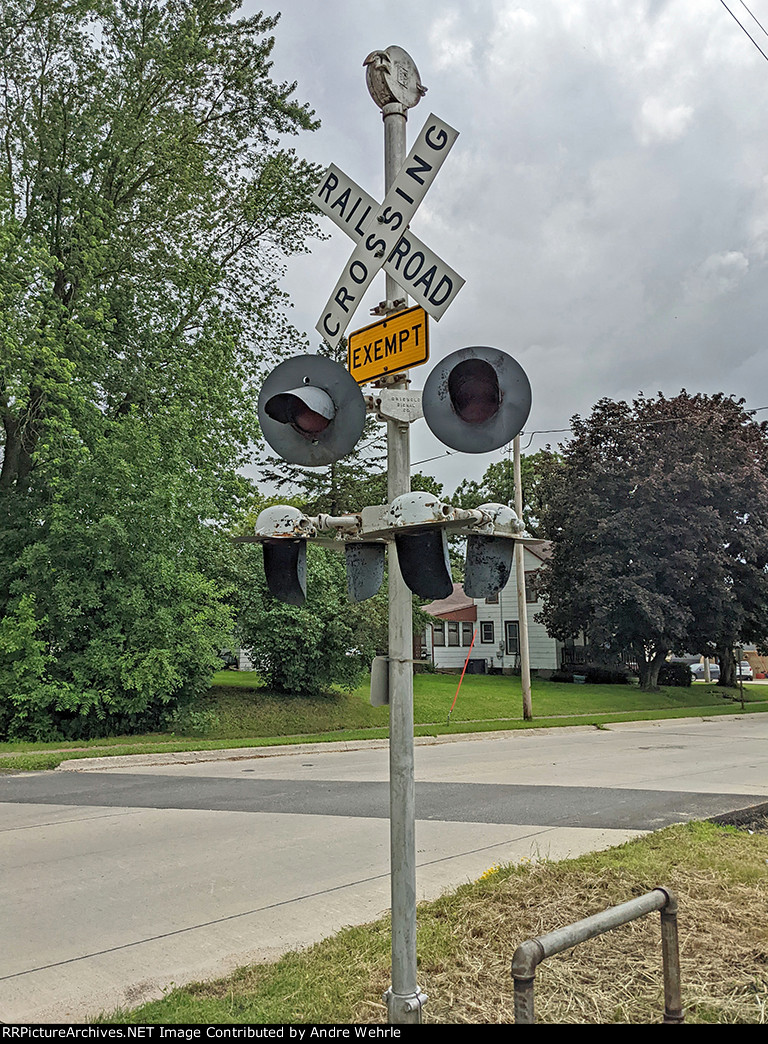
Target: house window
[511,633]
[467,630]
[453,633]
[487,632]
[492,599]
[531,586]
[438,633]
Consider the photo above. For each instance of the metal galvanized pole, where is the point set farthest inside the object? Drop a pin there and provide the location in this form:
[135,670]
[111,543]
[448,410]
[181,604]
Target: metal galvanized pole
[522,611]
[404,999]
[670,948]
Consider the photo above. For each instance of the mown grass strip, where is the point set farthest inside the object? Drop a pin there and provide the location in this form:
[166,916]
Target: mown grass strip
[239,712]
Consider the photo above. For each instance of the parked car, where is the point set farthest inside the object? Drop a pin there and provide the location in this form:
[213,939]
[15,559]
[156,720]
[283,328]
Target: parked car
[697,670]
[744,671]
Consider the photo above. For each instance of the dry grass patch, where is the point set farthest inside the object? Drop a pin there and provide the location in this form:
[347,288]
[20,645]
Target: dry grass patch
[617,977]
[466,941]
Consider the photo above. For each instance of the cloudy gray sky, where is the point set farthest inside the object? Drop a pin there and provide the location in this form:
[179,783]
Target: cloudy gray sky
[606,200]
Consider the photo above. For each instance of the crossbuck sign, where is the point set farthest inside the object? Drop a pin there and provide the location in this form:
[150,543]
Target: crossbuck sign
[383,236]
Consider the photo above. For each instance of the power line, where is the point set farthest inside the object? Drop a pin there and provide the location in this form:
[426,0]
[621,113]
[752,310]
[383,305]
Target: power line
[744,29]
[560,431]
[754,17]
[448,453]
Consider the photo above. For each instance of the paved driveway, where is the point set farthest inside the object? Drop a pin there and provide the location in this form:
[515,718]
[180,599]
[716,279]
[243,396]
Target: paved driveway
[127,874]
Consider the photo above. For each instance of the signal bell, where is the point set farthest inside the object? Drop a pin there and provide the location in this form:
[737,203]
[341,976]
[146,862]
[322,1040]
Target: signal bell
[477,399]
[311,410]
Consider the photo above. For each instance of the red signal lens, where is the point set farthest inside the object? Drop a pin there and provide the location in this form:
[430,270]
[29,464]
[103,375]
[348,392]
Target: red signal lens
[288,408]
[307,422]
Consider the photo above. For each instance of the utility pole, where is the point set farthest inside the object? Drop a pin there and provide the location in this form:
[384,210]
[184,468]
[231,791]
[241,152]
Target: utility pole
[522,611]
[395,94]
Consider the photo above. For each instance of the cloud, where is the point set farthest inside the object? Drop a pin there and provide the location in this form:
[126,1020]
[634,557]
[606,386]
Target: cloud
[451,48]
[659,121]
[718,274]
[606,200]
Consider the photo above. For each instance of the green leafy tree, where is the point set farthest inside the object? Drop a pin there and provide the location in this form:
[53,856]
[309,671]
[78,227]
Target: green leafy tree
[658,513]
[497,486]
[146,204]
[426,484]
[310,649]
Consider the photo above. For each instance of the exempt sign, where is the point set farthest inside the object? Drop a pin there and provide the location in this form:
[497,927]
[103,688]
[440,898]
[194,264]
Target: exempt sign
[393,344]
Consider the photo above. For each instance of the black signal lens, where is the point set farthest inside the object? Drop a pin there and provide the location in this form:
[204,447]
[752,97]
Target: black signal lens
[473,387]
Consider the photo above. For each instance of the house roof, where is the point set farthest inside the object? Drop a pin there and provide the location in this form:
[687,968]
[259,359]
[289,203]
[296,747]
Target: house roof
[541,548]
[457,606]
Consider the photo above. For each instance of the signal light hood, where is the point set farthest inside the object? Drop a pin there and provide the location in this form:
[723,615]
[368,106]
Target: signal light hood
[477,399]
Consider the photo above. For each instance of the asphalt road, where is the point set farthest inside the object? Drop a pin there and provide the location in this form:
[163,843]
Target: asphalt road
[126,876]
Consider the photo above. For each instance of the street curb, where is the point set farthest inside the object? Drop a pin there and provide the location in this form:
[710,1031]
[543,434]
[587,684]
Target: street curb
[192,757]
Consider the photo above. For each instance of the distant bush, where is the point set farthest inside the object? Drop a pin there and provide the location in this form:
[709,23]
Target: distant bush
[424,667]
[675,674]
[597,674]
[561,676]
[184,721]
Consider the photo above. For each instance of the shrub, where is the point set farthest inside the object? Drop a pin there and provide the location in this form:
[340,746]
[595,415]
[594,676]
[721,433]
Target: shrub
[675,674]
[306,650]
[597,674]
[184,721]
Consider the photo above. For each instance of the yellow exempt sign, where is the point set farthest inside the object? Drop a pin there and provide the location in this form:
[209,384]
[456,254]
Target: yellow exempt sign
[392,344]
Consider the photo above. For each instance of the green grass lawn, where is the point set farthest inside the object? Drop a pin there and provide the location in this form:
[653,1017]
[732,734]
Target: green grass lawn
[238,711]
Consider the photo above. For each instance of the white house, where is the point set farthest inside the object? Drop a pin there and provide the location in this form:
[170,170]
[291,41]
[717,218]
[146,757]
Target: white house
[491,626]
[449,639]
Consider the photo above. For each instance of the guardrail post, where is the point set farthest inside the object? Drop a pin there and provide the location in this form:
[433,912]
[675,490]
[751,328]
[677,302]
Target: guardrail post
[673,1001]
[529,955]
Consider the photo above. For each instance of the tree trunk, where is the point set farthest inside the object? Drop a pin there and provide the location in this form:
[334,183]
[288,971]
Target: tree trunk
[649,669]
[727,663]
[11,452]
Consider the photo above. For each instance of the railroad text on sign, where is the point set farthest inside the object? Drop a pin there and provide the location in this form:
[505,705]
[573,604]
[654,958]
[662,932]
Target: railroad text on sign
[382,230]
[418,270]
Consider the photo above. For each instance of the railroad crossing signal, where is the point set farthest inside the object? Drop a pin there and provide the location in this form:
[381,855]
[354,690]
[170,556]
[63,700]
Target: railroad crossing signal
[416,523]
[477,399]
[311,410]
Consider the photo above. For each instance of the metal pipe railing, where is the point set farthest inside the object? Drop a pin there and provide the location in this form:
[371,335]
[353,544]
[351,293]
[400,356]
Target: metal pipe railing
[529,955]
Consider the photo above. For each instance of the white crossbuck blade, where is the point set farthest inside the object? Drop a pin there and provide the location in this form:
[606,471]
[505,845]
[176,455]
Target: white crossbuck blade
[383,237]
[422,274]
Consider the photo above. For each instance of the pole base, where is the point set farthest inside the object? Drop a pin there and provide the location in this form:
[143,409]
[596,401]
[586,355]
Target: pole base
[404,1009]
